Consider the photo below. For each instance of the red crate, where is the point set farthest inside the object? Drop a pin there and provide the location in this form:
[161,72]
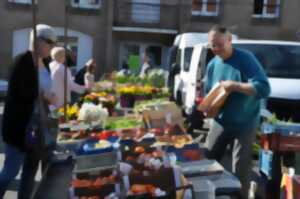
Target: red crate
[281,143]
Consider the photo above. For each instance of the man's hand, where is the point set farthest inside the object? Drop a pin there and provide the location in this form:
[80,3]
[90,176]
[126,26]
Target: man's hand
[230,86]
[233,86]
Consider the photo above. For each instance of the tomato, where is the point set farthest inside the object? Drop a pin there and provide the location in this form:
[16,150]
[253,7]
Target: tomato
[192,154]
[139,149]
[94,135]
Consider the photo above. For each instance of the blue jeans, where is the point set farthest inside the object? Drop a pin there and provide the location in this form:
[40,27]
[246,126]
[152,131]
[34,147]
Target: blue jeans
[14,159]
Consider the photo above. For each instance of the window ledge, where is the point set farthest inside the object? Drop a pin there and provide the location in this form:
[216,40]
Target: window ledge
[263,16]
[204,14]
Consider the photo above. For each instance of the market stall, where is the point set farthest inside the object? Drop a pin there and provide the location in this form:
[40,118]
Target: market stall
[107,148]
[278,138]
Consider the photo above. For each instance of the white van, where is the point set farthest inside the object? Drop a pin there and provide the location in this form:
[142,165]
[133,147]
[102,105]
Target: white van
[281,61]
[181,54]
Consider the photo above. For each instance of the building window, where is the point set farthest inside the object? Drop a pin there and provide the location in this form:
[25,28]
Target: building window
[21,1]
[89,4]
[145,11]
[266,8]
[205,7]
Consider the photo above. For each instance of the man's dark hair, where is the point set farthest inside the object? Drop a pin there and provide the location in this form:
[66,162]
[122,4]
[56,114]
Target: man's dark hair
[220,29]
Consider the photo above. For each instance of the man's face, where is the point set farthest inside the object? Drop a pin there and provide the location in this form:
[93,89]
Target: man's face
[45,47]
[219,43]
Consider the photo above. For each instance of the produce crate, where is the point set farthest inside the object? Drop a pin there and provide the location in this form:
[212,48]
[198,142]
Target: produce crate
[109,184]
[86,163]
[190,152]
[124,122]
[164,179]
[159,118]
[283,128]
[72,145]
[281,143]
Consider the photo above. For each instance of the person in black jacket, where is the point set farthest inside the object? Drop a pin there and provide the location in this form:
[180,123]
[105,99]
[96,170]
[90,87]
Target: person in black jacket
[21,99]
[79,77]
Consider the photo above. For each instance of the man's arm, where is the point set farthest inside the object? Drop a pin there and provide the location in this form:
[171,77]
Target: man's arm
[233,86]
[257,85]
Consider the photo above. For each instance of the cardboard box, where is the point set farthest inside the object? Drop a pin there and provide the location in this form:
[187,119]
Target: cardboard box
[213,101]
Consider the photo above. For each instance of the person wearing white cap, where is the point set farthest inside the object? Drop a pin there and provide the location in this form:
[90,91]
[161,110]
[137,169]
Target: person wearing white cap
[28,78]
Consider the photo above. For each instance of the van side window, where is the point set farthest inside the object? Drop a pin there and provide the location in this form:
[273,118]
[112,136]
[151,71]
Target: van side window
[178,57]
[187,59]
[281,61]
[206,56]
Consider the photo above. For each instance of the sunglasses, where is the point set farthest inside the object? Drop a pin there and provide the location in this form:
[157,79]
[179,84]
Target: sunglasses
[48,41]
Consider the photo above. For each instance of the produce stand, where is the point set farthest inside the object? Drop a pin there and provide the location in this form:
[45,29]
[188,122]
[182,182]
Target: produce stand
[109,150]
[56,181]
[276,140]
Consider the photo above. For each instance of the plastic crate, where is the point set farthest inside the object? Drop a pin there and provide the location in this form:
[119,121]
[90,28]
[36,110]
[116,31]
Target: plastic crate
[265,162]
[282,128]
[86,163]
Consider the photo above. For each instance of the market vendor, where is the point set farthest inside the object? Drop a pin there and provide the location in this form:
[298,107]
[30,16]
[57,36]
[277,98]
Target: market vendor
[243,77]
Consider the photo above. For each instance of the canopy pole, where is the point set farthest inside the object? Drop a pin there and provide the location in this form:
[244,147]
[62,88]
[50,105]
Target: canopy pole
[65,46]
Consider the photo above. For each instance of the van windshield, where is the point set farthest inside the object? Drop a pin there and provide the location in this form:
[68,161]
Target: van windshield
[282,61]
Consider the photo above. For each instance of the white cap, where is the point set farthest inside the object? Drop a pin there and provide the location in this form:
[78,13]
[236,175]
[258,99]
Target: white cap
[45,32]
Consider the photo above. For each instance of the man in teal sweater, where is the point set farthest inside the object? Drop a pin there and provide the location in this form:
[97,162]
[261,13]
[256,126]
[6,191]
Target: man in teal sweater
[242,76]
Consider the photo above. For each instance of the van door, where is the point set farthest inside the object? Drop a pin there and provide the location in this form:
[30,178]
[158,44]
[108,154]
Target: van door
[185,72]
[196,73]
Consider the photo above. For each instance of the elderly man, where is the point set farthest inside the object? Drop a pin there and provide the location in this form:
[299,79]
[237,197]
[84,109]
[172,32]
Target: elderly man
[20,106]
[242,76]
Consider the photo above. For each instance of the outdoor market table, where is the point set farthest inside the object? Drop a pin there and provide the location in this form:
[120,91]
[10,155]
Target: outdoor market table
[56,181]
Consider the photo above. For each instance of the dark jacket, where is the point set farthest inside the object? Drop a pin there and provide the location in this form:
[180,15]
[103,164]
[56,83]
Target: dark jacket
[19,103]
[79,77]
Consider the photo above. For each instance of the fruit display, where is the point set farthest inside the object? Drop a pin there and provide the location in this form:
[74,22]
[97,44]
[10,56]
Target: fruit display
[107,100]
[132,134]
[99,187]
[149,104]
[175,140]
[104,86]
[138,189]
[71,136]
[123,123]
[93,184]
